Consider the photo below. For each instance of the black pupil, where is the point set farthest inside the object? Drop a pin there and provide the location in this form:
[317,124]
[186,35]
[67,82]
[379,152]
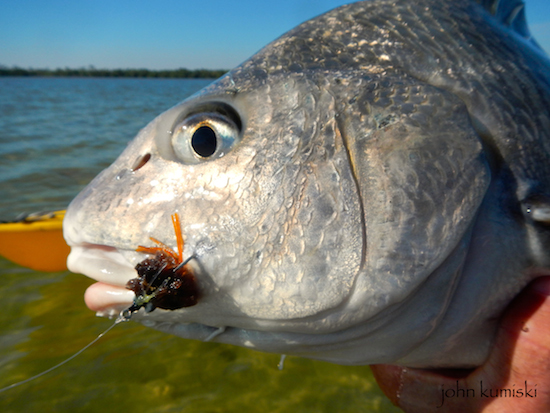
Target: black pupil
[204,141]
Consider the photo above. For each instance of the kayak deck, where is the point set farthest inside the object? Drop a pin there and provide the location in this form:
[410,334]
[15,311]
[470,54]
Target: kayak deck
[36,242]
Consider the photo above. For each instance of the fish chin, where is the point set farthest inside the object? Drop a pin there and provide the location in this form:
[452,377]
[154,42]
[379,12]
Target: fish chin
[112,268]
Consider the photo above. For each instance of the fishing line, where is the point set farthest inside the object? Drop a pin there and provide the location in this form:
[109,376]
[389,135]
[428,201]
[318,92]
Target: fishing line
[281,364]
[124,315]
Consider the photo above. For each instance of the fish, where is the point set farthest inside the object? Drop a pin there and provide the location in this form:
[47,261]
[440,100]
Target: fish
[371,187]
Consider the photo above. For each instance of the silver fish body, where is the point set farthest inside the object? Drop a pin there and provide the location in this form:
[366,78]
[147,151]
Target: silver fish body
[372,187]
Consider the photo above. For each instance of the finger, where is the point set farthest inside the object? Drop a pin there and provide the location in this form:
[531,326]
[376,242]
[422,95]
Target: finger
[389,379]
[519,366]
[516,377]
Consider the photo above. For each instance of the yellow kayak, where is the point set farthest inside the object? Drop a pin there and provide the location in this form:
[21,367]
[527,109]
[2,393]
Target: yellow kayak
[36,242]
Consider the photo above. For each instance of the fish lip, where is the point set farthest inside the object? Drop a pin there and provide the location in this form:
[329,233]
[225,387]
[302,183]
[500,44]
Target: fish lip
[107,300]
[102,263]
[112,268]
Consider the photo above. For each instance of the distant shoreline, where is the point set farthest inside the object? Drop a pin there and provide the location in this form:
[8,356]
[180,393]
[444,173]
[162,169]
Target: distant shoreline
[133,73]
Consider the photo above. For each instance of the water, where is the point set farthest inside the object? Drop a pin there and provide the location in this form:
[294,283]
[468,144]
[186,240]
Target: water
[55,136]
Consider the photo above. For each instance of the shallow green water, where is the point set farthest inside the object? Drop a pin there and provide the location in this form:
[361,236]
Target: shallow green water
[55,135]
[132,368]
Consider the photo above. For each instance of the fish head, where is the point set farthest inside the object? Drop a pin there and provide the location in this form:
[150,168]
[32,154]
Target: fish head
[266,199]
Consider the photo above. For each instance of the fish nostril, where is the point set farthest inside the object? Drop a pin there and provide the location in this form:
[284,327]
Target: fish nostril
[140,162]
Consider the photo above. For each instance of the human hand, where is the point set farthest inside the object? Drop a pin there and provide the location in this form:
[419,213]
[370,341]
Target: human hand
[515,377]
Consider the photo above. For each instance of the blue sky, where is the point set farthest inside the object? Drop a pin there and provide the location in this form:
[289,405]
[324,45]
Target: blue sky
[162,34]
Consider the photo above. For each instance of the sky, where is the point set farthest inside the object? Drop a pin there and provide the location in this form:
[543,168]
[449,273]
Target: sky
[163,34]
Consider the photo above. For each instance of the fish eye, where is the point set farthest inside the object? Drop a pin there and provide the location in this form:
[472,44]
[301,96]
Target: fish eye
[204,141]
[206,135]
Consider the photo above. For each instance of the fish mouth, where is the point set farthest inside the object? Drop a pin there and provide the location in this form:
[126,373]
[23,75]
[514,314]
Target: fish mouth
[111,269]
